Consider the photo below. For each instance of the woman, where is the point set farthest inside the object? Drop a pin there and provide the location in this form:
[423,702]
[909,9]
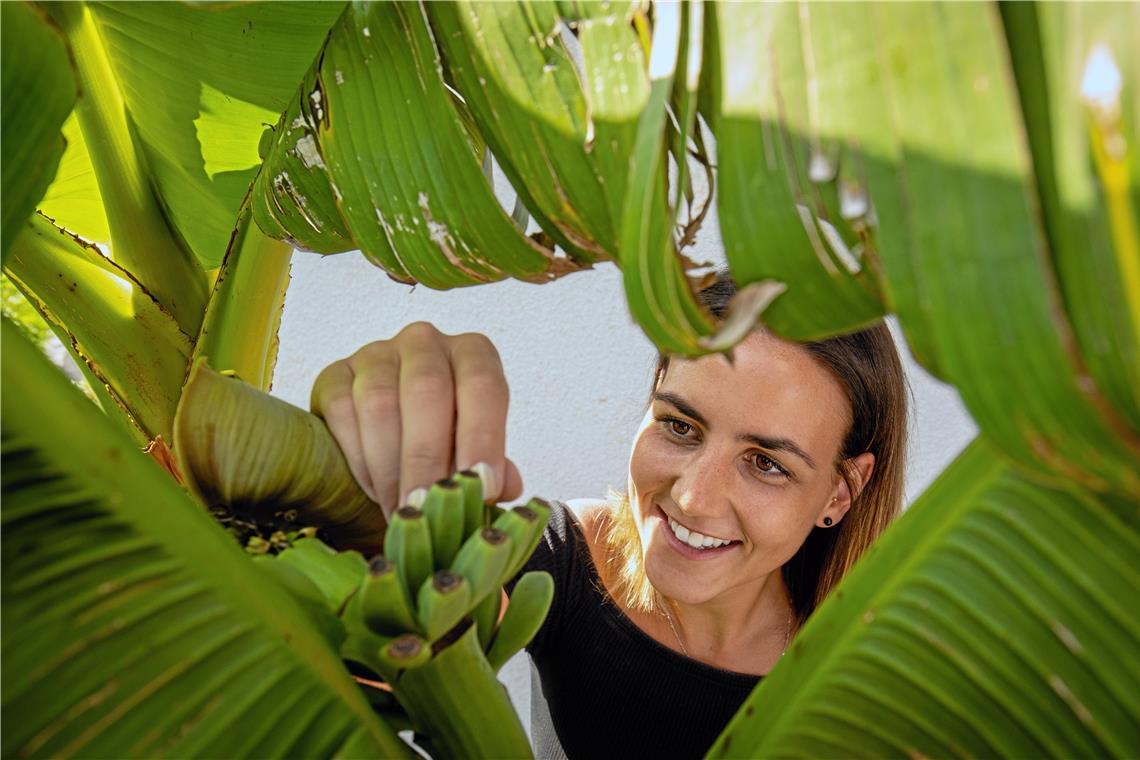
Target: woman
[753,487]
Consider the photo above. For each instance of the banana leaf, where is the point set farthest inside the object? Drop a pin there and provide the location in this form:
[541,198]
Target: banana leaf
[923,132]
[558,108]
[656,285]
[134,625]
[766,87]
[378,151]
[130,344]
[1076,67]
[39,92]
[995,619]
[73,200]
[199,84]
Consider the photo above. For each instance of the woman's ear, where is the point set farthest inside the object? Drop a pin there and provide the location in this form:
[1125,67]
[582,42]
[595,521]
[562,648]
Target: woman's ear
[859,471]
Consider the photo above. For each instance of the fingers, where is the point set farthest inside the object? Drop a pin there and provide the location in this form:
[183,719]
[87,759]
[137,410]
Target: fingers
[427,411]
[512,483]
[375,394]
[413,409]
[481,398]
[332,400]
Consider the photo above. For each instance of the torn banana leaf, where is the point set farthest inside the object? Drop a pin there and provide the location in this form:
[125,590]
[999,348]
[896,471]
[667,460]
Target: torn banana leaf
[131,346]
[656,284]
[198,117]
[558,110]
[763,91]
[262,456]
[376,122]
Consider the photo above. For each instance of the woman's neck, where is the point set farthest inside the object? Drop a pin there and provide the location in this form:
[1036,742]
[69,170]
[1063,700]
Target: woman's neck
[746,629]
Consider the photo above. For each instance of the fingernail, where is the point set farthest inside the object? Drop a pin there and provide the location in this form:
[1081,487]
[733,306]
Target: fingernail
[416,498]
[490,482]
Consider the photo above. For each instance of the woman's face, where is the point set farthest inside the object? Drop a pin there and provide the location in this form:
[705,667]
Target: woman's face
[742,453]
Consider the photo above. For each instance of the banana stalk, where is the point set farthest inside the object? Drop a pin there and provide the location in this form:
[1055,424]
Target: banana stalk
[456,700]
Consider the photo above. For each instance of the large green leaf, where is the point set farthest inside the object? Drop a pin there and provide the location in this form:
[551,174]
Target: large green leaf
[134,625]
[39,92]
[376,124]
[962,243]
[656,285]
[925,131]
[560,135]
[767,89]
[996,619]
[73,200]
[1076,66]
[199,85]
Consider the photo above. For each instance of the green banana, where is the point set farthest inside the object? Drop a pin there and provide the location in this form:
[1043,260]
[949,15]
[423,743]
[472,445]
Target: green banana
[444,510]
[404,652]
[525,614]
[386,609]
[486,616]
[474,513]
[525,526]
[408,544]
[481,560]
[442,602]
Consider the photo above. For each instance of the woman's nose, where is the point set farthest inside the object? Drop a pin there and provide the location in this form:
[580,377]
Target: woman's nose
[701,485]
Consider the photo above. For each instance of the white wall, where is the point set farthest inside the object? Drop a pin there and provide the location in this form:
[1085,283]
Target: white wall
[578,368]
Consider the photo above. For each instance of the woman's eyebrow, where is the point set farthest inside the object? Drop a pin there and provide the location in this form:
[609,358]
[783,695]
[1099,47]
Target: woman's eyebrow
[763,441]
[681,404]
[778,444]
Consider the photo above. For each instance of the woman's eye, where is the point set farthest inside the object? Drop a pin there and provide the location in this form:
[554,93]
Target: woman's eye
[677,427]
[768,466]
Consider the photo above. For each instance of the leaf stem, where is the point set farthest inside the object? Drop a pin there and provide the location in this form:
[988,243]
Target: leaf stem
[142,242]
[239,331]
[127,340]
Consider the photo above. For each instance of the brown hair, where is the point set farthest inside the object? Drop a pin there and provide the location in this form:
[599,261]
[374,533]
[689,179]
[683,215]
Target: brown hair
[867,366]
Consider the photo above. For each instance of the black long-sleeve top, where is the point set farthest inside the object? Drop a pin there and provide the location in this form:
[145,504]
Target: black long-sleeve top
[612,690]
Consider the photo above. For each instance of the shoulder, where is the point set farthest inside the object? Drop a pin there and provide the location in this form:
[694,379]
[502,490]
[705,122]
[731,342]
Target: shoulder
[595,516]
[592,515]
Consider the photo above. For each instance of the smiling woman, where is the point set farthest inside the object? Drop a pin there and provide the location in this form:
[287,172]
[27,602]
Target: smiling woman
[754,485]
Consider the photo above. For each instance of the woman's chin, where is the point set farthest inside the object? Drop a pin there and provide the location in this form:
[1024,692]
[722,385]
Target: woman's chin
[673,582]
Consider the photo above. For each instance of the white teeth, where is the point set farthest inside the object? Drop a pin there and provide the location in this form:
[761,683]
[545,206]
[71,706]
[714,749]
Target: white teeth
[694,539]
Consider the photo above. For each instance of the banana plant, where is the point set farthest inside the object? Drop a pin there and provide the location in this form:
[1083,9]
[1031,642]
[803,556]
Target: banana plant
[970,168]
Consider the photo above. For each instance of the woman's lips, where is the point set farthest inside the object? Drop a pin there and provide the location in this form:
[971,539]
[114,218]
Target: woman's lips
[684,549]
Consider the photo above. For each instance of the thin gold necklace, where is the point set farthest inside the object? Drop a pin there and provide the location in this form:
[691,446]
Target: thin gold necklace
[677,636]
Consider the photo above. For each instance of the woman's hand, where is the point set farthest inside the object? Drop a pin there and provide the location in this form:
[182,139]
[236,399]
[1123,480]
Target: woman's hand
[414,409]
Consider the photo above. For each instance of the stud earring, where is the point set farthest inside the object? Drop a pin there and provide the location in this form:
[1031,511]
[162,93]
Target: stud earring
[827,522]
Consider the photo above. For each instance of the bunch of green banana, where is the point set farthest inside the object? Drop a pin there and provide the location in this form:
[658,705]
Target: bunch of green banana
[444,566]
[426,615]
